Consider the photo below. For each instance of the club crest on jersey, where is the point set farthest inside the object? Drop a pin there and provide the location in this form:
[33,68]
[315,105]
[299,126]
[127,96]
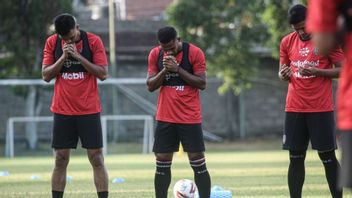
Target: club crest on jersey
[304,51]
[315,51]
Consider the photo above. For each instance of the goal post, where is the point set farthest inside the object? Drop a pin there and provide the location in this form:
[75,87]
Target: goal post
[148,130]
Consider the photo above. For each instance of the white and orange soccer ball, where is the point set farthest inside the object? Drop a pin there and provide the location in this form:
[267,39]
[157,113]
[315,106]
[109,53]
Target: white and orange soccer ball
[185,188]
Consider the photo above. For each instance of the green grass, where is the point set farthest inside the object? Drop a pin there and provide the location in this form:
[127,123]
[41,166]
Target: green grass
[248,174]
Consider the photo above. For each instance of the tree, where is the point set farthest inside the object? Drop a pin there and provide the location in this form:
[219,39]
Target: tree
[275,18]
[231,32]
[24,25]
[228,31]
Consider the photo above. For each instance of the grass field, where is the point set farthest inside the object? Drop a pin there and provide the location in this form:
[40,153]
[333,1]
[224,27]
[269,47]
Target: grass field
[255,174]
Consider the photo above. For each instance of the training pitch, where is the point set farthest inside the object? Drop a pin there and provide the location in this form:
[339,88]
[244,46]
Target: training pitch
[255,174]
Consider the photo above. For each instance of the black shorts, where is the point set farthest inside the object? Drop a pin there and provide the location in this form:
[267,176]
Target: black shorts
[69,128]
[317,127]
[168,136]
[346,159]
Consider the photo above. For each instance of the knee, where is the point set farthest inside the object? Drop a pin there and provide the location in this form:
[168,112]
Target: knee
[163,156]
[297,157]
[61,159]
[96,158]
[195,156]
[327,156]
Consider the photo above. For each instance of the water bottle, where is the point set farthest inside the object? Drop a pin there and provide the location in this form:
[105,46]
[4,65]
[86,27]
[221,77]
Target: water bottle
[118,180]
[4,173]
[69,178]
[34,177]
[219,192]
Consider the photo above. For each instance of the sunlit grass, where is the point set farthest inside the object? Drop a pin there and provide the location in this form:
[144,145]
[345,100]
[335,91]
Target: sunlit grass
[248,174]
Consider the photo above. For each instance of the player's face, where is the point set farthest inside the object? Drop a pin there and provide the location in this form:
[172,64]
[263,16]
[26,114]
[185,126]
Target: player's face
[300,28]
[72,36]
[171,47]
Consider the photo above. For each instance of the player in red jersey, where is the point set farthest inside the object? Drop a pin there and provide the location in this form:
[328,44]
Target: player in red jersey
[178,69]
[75,59]
[328,30]
[309,103]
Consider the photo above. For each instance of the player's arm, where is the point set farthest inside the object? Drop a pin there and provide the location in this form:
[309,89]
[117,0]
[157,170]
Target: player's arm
[195,80]
[100,72]
[154,81]
[155,78]
[285,71]
[198,79]
[328,73]
[335,57]
[323,26]
[51,71]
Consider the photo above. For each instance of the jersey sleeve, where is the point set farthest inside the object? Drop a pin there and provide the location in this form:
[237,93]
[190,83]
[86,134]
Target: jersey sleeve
[199,65]
[336,56]
[98,52]
[152,62]
[284,59]
[48,52]
[322,15]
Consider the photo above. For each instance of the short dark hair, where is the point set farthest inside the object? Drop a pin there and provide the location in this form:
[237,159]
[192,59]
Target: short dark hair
[64,23]
[297,13]
[166,34]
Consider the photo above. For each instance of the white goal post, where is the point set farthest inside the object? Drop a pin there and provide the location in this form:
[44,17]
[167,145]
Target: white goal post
[148,131]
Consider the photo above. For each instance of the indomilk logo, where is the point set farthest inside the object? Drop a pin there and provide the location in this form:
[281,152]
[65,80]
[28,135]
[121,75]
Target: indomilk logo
[73,76]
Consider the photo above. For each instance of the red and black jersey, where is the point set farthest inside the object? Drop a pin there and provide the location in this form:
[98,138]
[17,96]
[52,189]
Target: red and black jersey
[178,102]
[322,18]
[75,90]
[307,93]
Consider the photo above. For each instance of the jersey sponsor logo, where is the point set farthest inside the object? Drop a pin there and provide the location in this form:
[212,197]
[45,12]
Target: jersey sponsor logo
[72,76]
[171,75]
[68,63]
[304,51]
[305,63]
[179,88]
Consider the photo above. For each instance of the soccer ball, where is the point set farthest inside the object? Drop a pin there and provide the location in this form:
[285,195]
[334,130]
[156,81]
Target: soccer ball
[185,188]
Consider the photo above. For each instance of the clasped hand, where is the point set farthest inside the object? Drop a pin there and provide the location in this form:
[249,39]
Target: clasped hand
[285,72]
[170,64]
[307,71]
[70,50]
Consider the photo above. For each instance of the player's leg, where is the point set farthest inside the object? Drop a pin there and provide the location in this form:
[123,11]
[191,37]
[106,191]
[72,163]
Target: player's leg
[90,133]
[296,140]
[296,173]
[101,181]
[191,136]
[201,174]
[332,168]
[323,138]
[58,179]
[346,162]
[165,143]
[162,178]
[64,138]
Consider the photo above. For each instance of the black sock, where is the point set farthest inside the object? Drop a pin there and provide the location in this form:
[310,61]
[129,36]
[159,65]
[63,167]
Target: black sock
[296,173]
[332,168]
[103,194]
[57,194]
[201,177]
[162,178]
